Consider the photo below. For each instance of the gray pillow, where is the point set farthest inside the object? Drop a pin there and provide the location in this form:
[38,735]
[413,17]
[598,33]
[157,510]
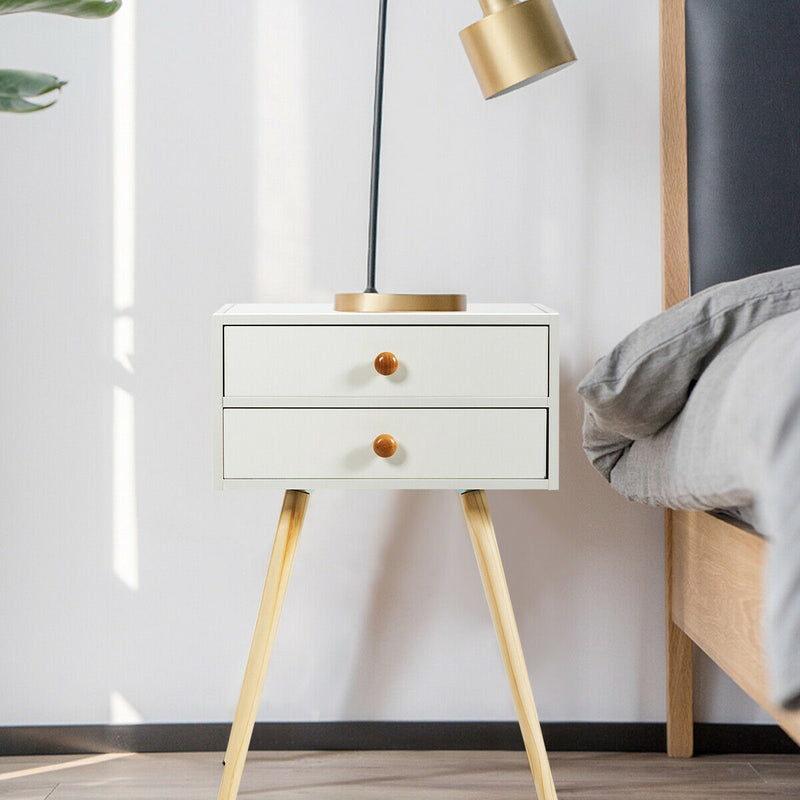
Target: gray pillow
[645,380]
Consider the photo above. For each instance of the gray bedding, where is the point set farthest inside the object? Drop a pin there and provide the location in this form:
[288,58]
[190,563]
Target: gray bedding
[730,441]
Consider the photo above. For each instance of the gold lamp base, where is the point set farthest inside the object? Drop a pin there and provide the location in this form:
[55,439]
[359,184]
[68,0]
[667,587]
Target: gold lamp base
[373,302]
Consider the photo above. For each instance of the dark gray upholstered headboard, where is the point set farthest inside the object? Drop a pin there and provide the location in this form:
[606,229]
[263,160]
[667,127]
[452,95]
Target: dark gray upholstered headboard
[743,136]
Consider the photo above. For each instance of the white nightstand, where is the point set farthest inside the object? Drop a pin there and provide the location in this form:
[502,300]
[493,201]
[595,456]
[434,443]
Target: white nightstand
[306,397]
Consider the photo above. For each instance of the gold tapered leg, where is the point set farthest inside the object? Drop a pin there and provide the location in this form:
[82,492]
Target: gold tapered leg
[481,531]
[269,612]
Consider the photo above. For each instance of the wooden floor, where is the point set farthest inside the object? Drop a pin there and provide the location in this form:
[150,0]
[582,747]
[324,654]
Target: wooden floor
[399,776]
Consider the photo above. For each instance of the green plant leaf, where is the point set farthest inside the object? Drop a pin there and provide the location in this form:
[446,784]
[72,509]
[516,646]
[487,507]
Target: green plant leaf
[18,86]
[87,9]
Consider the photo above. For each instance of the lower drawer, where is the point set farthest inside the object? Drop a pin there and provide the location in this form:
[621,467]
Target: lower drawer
[432,443]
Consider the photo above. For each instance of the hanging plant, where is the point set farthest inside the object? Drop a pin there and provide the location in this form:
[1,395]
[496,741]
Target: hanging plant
[20,89]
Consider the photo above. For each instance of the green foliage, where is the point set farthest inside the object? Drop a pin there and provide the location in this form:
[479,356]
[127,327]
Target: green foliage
[87,9]
[17,87]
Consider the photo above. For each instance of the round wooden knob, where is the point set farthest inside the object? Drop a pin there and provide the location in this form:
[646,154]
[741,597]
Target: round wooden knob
[386,363]
[385,445]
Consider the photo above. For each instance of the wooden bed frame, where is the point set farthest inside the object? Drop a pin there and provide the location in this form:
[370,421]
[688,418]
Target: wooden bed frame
[714,567]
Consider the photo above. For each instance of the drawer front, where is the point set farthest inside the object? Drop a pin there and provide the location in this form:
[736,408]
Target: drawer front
[433,361]
[337,443]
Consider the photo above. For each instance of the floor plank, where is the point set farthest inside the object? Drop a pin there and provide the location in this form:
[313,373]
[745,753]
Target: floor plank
[402,776]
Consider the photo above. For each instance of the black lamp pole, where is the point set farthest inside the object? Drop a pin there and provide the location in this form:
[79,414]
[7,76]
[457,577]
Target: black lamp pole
[377,120]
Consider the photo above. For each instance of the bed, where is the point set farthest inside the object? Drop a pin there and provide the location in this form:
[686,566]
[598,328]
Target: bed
[730,172]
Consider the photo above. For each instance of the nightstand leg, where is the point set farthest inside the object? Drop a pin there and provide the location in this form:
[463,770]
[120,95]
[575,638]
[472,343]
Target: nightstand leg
[481,530]
[269,612]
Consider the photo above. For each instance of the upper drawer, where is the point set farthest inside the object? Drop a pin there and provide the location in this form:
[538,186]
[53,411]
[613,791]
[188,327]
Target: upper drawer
[433,361]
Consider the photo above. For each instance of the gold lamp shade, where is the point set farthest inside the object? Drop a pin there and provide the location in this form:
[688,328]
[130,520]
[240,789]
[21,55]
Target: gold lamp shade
[516,43]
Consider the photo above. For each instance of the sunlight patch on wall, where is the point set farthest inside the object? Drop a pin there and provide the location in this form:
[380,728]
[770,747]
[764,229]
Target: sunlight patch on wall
[121,710]
[125,547]
[283,269]
[123,42]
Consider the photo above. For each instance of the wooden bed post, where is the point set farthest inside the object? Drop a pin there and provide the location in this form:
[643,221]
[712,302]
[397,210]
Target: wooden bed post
[713,567]
[680,717]
[674,171]
[675,267]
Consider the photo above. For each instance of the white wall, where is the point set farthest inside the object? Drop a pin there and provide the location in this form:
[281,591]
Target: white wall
[128,588]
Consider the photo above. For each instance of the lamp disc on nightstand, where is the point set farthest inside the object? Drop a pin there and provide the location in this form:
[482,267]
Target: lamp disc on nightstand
[375,302]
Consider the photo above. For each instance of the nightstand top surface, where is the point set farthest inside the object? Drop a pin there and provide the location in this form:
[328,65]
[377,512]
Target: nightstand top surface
[323,314]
